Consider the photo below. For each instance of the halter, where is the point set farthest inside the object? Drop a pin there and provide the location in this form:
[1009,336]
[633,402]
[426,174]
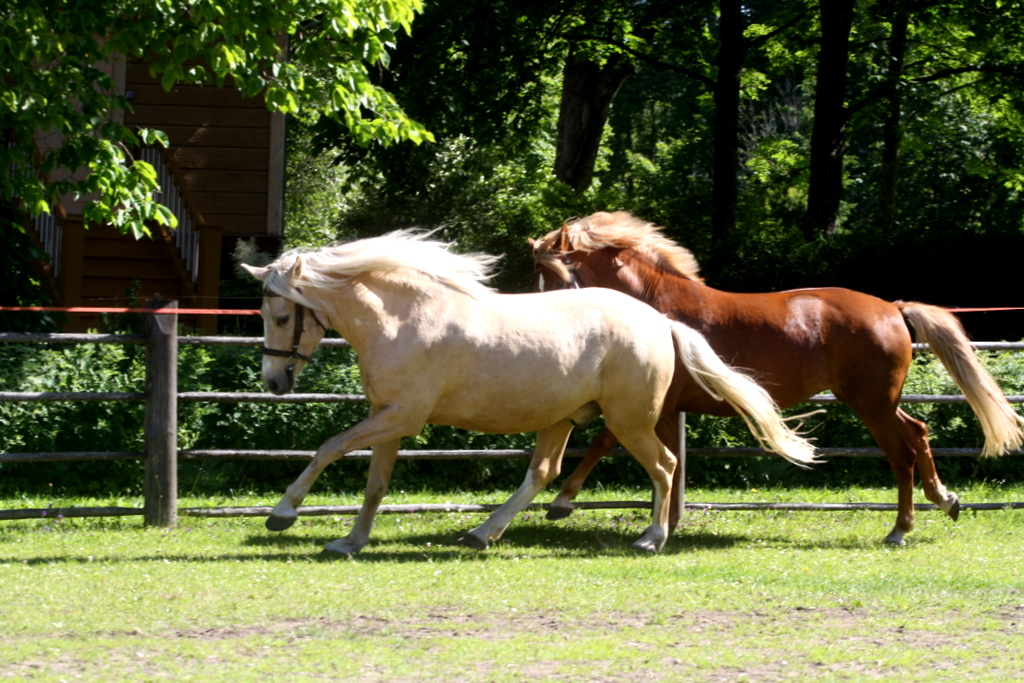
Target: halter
[575,281]
[300,313]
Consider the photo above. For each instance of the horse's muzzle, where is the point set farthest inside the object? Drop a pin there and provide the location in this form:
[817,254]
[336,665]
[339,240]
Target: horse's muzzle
[280,383]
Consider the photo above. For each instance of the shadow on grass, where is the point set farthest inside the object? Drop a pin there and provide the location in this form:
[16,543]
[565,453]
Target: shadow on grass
[440,548]
[567,542]
[539,539]
[576,540]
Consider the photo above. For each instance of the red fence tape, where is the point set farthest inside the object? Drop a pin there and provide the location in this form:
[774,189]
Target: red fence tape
[119,309]
[253,311]
[983,310]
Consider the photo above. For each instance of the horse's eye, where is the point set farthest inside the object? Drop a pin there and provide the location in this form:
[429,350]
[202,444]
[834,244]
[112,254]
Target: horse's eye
[281,320]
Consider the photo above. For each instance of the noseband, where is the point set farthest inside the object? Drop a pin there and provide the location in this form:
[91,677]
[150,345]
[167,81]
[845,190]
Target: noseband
[576,282]
[300,315]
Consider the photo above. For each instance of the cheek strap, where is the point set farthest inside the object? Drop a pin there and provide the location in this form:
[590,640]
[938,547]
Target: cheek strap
[300,313]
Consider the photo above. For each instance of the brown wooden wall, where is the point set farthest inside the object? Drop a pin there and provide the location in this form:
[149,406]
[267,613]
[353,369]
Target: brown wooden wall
[103,267]
[222,143]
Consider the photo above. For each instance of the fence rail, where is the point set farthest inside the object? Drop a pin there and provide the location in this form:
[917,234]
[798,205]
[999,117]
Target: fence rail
[161,453]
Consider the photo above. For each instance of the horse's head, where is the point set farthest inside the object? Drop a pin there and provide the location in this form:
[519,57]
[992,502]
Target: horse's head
[615,250]
[550,271]
[560,264]
[291,327]
[556,262]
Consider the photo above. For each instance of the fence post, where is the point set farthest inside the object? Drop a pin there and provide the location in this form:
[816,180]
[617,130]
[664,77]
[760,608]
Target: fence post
[680,492]
[161,423]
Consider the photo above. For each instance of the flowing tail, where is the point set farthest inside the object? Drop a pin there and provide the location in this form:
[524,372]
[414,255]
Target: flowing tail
[753,403]
[942,331]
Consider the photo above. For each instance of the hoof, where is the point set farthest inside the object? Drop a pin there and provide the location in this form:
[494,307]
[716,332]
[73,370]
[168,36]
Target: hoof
[280,523]
[556,513]
[895,538]
[954,509]
[474,541]
[341,548]
[648,546]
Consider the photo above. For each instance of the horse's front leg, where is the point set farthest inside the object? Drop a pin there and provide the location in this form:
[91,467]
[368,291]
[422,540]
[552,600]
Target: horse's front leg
[544,467]
[381,465]
[381,427]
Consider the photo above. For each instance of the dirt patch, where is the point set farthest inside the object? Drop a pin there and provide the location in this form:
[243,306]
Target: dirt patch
[772,646]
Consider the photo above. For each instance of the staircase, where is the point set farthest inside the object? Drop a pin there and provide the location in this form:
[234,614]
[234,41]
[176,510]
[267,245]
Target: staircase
[101,267]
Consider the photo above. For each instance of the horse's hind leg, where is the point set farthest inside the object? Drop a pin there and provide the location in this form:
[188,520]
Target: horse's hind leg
[660,465]
[561,507]
[668,430]
[544,467]
[915,434]
[885,429]
[904,441]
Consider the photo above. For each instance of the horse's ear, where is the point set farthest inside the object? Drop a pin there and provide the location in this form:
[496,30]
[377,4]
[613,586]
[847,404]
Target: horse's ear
[564,244]
[256,272]
[295,271]
[533,242]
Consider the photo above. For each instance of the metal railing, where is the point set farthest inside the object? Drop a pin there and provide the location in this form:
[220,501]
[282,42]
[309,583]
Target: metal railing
[186,235]
[47,225]
[49,230]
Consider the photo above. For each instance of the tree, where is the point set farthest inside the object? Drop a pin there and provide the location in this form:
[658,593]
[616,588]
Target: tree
[732,53]
[588,89]
[828,139]
[51,52]
[491,74]
[892,132]
[733,47]
[710,133]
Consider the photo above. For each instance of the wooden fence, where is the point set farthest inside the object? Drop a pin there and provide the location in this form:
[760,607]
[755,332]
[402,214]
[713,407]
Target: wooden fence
[161,454]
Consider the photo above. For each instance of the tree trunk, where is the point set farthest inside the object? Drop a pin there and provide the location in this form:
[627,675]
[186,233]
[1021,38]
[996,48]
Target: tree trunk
[828,135]
[725,158]
[587,93]
[892,131]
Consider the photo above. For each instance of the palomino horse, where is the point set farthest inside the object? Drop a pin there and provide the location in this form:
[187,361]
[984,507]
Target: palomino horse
[796,343]
[437,346]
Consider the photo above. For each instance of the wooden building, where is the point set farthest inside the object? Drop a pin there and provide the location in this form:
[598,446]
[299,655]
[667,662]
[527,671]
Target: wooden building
[223,176]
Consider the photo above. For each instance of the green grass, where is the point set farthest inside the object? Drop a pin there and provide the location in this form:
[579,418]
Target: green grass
[759,596]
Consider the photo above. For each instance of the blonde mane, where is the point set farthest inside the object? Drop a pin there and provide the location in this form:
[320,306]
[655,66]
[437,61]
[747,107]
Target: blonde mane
[618,230]
[330,267]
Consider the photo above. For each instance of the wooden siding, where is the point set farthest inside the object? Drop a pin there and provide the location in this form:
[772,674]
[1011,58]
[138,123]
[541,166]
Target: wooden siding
[221,144]
[103,267]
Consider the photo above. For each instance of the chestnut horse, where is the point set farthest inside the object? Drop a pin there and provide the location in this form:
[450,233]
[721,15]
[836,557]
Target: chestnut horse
[437,346]
[797,343]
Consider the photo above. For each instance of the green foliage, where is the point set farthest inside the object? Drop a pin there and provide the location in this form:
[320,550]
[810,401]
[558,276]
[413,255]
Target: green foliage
[960,132]
[52,54]
[64,426]
[106,426]
[20,276]
[488,86]
[474,199]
